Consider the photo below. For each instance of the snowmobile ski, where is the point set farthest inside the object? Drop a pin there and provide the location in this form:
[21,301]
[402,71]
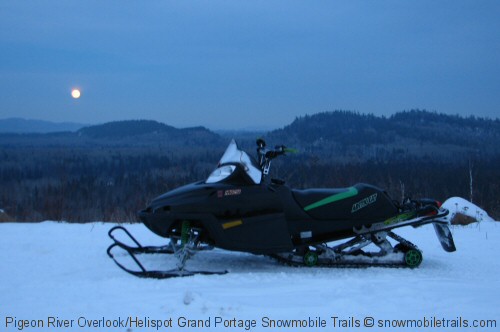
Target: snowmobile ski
[154,274]
[182,254]
[138,248]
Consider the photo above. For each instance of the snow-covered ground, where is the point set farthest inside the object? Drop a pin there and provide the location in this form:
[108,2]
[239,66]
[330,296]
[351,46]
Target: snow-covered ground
[57,272]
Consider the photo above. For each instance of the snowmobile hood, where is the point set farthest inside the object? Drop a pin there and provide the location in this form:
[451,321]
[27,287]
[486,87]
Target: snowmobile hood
[183,194]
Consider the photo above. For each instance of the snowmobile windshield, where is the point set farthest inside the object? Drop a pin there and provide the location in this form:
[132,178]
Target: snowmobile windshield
[231,159]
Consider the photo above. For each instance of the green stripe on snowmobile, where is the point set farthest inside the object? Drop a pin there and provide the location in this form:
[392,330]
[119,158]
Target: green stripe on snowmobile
[400,218]
[334,198]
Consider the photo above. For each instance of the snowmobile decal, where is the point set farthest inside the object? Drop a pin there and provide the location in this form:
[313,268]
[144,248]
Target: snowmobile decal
[334,198]
[364,202]
[232,192]
[306,235]
[232,224]
[399,218]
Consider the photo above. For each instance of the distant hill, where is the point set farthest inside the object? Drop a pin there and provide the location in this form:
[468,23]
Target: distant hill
[147,130]
[126,128]
[354,136]
[18,125]
[340,136]
[131,133]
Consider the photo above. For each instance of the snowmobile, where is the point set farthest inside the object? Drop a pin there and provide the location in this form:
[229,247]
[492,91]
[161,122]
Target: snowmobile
[239,208]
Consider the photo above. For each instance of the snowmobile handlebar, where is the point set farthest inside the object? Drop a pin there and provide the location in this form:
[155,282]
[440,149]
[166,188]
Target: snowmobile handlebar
[278,151]
[266,155]
[263,152]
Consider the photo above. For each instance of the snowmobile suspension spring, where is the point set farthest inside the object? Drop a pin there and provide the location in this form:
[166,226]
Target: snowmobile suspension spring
[186,226]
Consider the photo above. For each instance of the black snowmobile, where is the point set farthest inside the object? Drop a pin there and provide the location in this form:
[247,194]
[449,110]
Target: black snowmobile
[239,208]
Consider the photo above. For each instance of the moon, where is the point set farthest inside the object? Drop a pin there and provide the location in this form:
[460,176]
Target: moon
[75,93]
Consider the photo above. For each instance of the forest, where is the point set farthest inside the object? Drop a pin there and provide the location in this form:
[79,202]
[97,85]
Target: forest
[109,172]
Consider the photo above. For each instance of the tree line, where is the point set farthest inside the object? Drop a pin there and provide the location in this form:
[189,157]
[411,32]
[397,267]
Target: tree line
[108,173]
[113,184]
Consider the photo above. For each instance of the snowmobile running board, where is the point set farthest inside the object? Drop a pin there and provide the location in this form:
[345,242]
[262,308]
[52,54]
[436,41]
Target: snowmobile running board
[139,249]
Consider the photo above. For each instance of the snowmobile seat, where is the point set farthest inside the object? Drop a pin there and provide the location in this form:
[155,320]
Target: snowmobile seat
[359,201]
[308,197]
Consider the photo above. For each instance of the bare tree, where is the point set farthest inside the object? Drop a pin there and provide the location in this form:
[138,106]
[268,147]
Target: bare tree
[470,179]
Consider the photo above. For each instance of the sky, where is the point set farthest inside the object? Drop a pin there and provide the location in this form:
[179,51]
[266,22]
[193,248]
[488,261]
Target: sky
[246,64]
